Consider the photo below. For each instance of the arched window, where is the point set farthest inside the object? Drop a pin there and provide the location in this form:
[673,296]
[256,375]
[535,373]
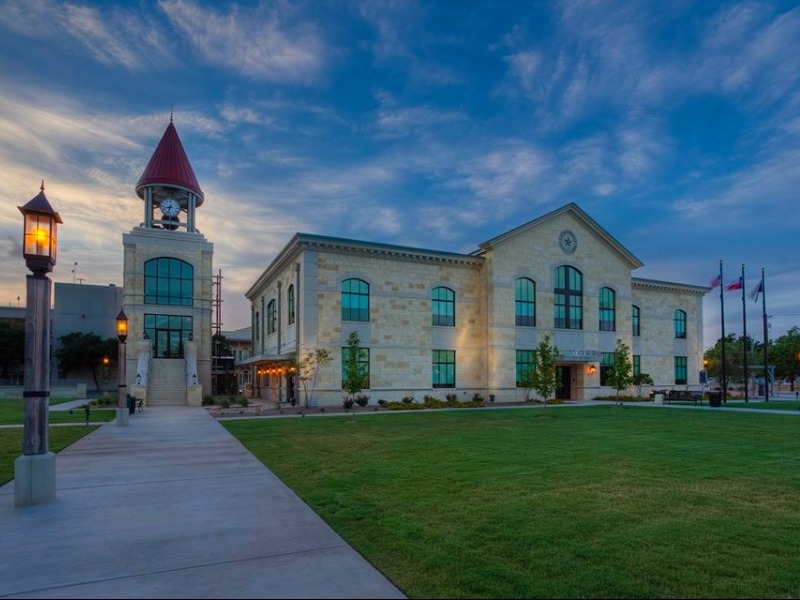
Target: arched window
[355,300]
[271,320]
[568,298]
[525,302]
[636,320]
[290,302]
[680,324]
[168,281]
[443,306]
[608,311]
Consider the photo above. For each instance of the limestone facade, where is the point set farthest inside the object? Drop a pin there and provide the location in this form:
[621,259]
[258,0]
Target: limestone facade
[308,275]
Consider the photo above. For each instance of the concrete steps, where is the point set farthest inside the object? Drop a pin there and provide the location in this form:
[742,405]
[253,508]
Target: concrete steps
[167,382]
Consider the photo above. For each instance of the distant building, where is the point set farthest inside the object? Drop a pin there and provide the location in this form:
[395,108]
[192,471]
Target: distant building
[433,322]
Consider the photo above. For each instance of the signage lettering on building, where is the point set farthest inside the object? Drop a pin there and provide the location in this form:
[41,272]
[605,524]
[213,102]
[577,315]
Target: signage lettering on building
[581,355]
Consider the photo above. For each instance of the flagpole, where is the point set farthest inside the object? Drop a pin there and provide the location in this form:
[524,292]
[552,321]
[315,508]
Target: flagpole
[722,319]
[744,343]
[766,338]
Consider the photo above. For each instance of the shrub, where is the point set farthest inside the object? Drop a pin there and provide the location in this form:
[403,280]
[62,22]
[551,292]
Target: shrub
[408,399]
[431,402]
[382,402]
[362,400]
[208,400]
[225,403]
[244,402]
[476,397]
[451,397]
[347,402]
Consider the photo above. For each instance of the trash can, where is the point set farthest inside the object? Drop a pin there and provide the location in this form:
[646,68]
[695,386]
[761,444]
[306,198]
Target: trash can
[715,399]
[131,404]
[658,398]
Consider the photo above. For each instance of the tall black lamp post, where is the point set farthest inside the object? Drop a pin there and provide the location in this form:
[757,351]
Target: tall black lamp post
[123,414]
[35,469]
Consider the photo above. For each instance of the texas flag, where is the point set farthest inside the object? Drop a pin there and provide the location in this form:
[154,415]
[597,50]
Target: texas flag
[759,289]
[736,285]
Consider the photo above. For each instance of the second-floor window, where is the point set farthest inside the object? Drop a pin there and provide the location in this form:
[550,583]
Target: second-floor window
[608,312]
[524,302]
[680,324]
[443,306]
[355,300]
[568,298]
[271,317]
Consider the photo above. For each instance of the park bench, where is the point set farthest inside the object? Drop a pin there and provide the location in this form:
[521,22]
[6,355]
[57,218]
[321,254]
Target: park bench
[684,396]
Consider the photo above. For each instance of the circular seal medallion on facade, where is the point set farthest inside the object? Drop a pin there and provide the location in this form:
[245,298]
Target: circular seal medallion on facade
[567,241]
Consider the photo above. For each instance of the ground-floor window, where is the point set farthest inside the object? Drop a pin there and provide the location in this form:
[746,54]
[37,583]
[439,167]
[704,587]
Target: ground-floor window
[362,360]
[606,366]
[525,364]
[168,333]
[680,370]
[444,368]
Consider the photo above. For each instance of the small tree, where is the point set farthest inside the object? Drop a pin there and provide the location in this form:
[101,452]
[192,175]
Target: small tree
[84,350]
[544,375]
[639,380]
[12,349]
[620,376]
[355,375]
[308,366]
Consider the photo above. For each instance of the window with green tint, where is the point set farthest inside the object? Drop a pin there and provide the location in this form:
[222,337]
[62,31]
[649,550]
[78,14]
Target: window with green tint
[362,361]
[290,304]
[443,306]
[608,311]
[606,366]
[526,359]
[636,323]
[680,324]
[568,298]
[271,317]
[681,370]
[637,364]
[444,368]
[355,300]
[525,302]
[168,334]
[168,281]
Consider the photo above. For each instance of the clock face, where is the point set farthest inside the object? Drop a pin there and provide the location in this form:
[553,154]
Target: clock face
[567,241]
[170,207]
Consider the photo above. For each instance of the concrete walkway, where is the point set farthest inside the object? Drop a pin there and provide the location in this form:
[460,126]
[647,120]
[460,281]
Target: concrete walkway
[173,506]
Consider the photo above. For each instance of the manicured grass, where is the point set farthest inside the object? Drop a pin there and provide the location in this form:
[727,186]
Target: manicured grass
[771,405]
[12,412]
[603,501]
[11,445]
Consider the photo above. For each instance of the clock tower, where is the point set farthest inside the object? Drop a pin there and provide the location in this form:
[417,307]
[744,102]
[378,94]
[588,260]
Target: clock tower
[167,284]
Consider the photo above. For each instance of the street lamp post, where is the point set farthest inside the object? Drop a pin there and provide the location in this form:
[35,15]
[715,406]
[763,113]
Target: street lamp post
[123,415]
[35,469]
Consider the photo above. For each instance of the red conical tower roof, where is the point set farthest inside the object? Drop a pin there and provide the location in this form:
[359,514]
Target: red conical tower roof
[170,166]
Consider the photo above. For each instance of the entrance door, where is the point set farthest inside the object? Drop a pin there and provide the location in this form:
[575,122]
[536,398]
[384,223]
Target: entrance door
[564,391]
[168,343]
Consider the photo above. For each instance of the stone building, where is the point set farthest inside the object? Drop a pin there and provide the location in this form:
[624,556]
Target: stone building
[432,322]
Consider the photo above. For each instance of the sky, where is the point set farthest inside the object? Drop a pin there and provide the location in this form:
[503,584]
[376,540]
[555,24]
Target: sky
[675,125]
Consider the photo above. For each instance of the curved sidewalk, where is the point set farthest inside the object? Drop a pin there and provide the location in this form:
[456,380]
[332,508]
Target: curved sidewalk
[173,506]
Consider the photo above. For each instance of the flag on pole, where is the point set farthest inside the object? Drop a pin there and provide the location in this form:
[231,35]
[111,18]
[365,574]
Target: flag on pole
[716,281]
[736,285]
[759,289]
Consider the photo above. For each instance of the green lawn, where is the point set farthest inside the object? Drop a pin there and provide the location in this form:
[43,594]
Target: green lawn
[771,405]
[602,501]
[11,445]
[12,411]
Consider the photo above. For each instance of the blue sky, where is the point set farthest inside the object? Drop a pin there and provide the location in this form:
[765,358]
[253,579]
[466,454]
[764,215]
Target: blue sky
[676,125]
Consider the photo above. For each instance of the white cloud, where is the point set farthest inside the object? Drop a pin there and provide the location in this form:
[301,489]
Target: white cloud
[260,43]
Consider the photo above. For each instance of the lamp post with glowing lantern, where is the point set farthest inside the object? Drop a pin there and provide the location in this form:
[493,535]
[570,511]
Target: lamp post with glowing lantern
[123,415]
[35,469]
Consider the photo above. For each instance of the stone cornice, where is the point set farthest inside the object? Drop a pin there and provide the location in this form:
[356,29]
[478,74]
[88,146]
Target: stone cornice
[305,241]
[638,283]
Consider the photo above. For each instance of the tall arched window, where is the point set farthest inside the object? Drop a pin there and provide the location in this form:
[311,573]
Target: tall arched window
[168,281]
[568,298]
[680,324]
[525,302]
[355,300]
[608,310]
[271,317]
[443,306]
[636,320]
[290,302]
